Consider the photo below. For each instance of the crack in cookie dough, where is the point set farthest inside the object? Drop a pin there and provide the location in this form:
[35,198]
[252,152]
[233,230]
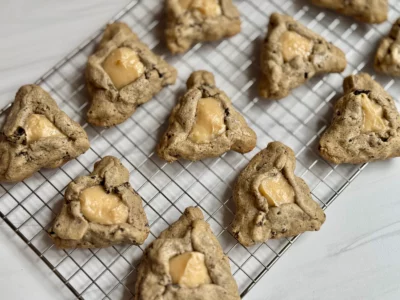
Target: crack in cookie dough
[387,59]
[121,75]
[368,11]
[365,125]
[204,124]
[101,210]
[200,268]
[271,202]
[37,134]
[291,54]
[192,21]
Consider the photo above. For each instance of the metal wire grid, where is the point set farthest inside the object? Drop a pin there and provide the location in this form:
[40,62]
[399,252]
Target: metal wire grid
[30,206]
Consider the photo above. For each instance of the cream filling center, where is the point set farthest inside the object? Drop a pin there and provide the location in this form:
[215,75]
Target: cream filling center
[123,66]
[38,127]
[373,120]
[189,270]
[99,207]
[208,8]
[209,121]
[277,190]
[293,44]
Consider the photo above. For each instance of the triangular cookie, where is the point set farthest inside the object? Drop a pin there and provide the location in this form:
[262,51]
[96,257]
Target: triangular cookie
[368,11]
[365,125]
[204,124]
[101,210]
[192,21]
[186,262]
[121,75]
[37,134]
[271,202]
[292,54]
[387,59]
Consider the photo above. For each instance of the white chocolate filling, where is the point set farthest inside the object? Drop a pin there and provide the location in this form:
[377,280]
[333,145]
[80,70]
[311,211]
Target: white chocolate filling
[98,206]
[208,8]
[209,121]
[293,44]
[38,127]
[123,66]
[189,270]
[277,190]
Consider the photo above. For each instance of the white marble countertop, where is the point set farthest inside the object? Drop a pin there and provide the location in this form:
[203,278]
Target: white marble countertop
[354,256]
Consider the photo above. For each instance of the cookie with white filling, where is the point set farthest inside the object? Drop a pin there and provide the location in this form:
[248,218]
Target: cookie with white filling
[193,21]
[204,124]
[101,210]
[291,54]
[272,202]
[186,262]
[387,58]
[121,75]
[365,124]
[37,134]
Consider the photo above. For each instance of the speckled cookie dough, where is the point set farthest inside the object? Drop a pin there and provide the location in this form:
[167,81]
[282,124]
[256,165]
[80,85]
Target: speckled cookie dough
[387,59]
[368,11]
[204,124]
[186,262]
[37,134]
[121,75]
[192,21]
[292,54]
[101,210]
[117,32]
[271,202]
[365,125]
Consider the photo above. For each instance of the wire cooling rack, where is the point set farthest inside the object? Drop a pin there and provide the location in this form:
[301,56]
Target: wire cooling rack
[29,207]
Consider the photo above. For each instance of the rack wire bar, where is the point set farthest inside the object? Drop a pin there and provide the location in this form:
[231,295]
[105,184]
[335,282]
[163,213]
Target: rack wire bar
[29,207]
